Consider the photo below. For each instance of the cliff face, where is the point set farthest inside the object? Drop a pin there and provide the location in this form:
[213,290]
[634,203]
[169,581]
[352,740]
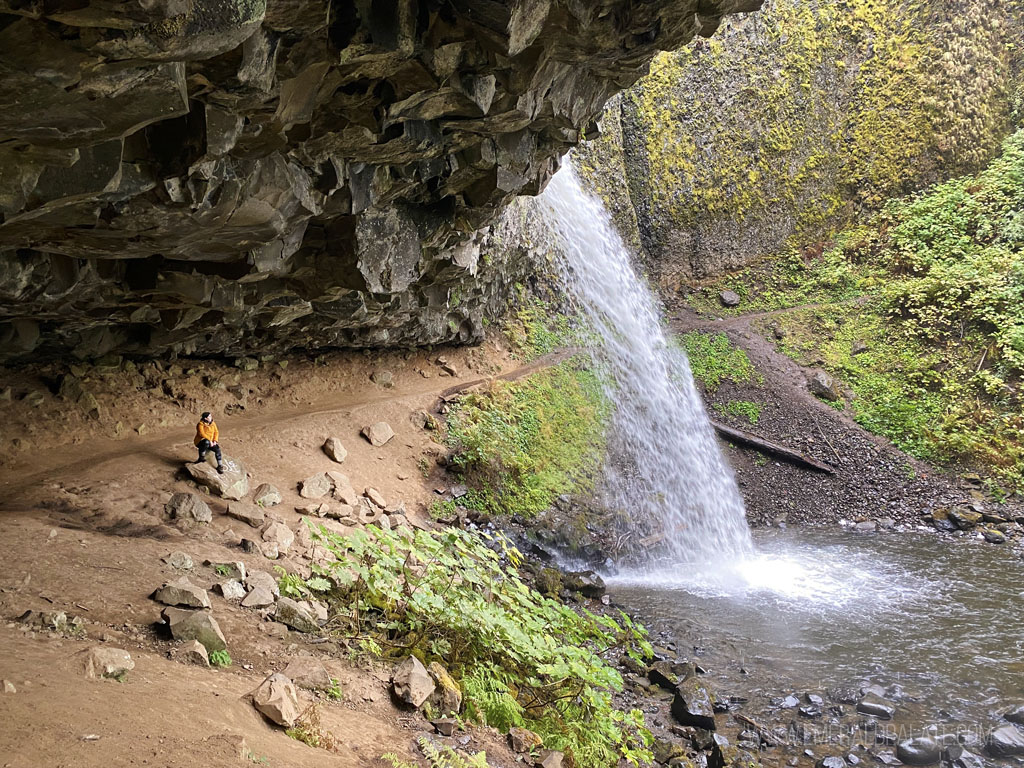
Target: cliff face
[249,175]
[792,121]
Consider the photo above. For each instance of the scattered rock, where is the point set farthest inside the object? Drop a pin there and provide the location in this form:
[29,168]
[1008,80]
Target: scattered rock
[233,484]
[383,379]
[866,526]
[523,740]
[247,513]
[669,674]
[280,536]
[694,705]
[1004,741]
[194,652]
[964,518]
[259,597]
[824,386]
[277,700]
[104,661]
[729,298]
[334,449]
[447,695]
[195,625]
[833,761]
[587,583]
[412,683]
[316,509]
[376,497]
[315,487]
[188,506]
[368,514]
[306,672]
[8,686]
[230,589]
[266,495]
[1015,714]
[874,705]
[265,580]
[235,570]
[444,726]
[295,615]
[378,434]
[182,592]
[180,561]
[993,536]
[918,751]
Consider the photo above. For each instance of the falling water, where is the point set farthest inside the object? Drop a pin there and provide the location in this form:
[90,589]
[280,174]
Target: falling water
[664,463]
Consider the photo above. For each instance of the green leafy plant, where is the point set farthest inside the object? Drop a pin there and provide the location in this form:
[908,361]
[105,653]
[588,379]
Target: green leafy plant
[220,658]
[310,731]
[222,570]
[294,586]
[446,757]
[714,359]
[741,409]
[522,659]
[335,692]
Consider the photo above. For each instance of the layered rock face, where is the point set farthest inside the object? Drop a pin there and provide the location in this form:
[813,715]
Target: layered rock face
[793,122]
[248,175]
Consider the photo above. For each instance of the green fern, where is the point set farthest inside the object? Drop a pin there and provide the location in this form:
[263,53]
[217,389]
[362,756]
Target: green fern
[446,757]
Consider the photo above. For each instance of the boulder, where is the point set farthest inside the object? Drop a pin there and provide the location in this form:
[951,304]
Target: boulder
[306,672]
[195,625]
[188,506]
[180,561]
[182,592]
[383,379]
[824,386]
[412,683]
[522,740]
[8,686]
[346,495]
[694,705]
[280,536]
[277,700]
[232,485]
[378,433]
[266,495]
[729,298]
[234,570]
[1015,714]
[316,509]
[919,751]
[194,652]
[315,487]
[259,597]
[964,518]
[265,580]
[587,583]
[551,758]
[376,497]
[874,705]
[993,536]
[231,589]
[103,661]
[295,615]
[250,514]
[447,695]
[334,449]
[1005,741]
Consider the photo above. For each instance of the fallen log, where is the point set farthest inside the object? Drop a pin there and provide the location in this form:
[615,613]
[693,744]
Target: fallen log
[739,437]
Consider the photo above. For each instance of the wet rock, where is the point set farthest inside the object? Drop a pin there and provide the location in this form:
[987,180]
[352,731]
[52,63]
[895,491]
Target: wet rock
[315,487]
[306,672]
[230,589]
[182,592]
[522,740]
[965,759]
[247,513]
[809,711]
[665,750]
[233,484]
[103,661]
[277,700]
[729,298]
[1015,714]
[820,384]
[334,449]
[412,683]
[964,518]
[188,506]
[669,674]
[832,761]
[874,705]
[266,495]
[447,695]
[1005,741]
[587,583]
[258,597]
[993,536]
[195,625]
[918,751]
[866,526]
[194,652]
[693,705]
[378,434]
[295,615]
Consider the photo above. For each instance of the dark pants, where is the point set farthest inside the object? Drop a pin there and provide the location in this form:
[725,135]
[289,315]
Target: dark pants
[204,446]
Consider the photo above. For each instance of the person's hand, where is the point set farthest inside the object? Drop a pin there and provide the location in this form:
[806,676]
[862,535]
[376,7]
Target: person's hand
[214,443]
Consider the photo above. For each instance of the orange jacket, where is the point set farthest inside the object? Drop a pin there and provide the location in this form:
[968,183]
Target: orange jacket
[206,431]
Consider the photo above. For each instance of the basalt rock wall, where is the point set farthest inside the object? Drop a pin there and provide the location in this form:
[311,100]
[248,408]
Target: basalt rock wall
[224,177]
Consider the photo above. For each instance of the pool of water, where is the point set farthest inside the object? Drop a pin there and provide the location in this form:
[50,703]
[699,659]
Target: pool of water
[937,622]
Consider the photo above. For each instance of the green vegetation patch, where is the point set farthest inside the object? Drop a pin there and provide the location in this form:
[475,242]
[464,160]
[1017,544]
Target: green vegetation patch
[521,444]
[714,359]
[521,659]
[740,409]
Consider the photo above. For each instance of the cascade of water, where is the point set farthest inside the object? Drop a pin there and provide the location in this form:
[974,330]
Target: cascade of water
[664,462]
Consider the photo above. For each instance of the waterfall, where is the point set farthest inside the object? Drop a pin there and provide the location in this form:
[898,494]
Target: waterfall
[664,461]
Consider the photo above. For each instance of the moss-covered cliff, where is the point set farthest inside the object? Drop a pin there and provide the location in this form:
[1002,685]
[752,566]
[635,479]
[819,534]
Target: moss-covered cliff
[794,119]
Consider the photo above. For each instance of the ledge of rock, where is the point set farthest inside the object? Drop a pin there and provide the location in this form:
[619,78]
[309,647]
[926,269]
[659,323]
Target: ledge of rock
[221,178]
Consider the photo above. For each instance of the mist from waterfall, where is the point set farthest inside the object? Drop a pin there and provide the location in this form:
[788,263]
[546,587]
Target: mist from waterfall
[664,461]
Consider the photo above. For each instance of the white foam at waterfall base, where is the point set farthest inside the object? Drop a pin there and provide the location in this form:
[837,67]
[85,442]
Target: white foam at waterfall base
[664,461]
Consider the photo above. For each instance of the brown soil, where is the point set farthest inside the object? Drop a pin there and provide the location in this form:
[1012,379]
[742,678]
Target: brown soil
[85,532]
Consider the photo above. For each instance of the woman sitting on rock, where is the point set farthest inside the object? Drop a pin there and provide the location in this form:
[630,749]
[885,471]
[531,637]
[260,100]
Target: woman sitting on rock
[206,440]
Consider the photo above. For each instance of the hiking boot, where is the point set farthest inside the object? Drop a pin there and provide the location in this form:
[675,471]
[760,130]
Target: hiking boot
[220,469]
